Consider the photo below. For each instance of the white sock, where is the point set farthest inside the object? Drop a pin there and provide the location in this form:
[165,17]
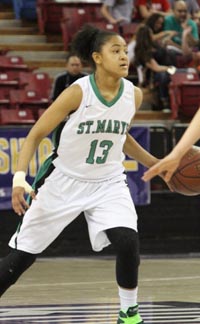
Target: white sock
[128,298]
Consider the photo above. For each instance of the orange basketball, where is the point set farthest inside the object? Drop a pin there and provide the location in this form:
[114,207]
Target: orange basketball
[186,179]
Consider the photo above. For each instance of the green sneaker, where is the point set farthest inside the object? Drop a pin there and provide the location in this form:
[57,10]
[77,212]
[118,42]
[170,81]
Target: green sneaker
[130,317]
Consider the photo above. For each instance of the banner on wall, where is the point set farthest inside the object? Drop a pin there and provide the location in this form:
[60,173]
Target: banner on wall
[11,140]
[140,190]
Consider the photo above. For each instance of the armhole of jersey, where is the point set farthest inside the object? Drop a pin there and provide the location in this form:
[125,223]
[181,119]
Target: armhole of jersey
[84,86]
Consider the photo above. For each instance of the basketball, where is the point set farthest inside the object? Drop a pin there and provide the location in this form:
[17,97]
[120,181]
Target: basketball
[186,179]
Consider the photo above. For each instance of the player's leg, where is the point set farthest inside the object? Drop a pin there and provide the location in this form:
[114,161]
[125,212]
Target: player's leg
[12,266]
[114,220]
[47,216]
[16,262]
[126,245]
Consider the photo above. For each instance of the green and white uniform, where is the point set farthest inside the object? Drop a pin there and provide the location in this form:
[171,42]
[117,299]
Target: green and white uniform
[88,175]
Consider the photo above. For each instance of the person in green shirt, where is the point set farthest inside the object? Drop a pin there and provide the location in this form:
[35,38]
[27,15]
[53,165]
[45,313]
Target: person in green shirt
[187,37]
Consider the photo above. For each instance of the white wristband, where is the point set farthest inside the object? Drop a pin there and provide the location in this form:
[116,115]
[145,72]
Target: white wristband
[19,181]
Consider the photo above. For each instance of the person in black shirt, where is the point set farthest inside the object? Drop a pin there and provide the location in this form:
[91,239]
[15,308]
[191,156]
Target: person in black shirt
[74,71]
[157,63]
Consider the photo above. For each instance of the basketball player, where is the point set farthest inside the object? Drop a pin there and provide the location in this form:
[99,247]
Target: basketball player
[87,174]
[170,163]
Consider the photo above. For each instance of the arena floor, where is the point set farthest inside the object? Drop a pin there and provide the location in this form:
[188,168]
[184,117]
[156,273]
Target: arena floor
[83,290]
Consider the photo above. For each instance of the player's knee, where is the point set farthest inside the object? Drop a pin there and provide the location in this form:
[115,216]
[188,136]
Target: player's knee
[126,243]
[12,266]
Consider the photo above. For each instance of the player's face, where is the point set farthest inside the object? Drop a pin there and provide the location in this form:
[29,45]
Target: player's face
[74,65]
[114,56]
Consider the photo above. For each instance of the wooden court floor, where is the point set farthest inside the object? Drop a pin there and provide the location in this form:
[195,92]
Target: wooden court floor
[83,290]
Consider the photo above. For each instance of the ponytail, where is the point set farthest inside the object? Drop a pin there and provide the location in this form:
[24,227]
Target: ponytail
[88,40]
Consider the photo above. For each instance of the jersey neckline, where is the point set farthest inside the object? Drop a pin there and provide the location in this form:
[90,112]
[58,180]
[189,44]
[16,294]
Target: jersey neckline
[100,97]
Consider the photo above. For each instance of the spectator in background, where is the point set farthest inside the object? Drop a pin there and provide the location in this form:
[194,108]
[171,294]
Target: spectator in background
[187,32]
[156,23]
[117,11]
[192,6]
[156,62]
[160,36]
[145,8]
[74,71]
[164,38]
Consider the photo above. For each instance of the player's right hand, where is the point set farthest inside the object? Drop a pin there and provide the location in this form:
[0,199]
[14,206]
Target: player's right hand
[20,187]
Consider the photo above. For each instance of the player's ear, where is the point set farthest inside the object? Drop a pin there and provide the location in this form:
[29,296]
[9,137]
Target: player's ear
[97,57]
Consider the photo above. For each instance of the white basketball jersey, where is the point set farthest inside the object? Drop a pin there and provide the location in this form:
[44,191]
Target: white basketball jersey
[91,142]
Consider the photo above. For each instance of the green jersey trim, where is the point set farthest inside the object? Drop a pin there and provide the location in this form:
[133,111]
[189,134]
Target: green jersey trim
[100,97]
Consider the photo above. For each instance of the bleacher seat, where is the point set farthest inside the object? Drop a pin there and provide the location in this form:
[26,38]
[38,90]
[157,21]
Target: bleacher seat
[189,98]
[39,81]
[184,93]
[72,20]
[40,112]
[96,14]
[16,116]
[8,80]
[23,98]
[4,51]
[106,26]
[12,63]
[4,98]
[50,13]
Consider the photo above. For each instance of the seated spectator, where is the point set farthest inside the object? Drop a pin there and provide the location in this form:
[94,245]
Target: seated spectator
[187,32]
[145,8]
[156,23]
[72,73]
[156,62]
[117,12]
[192,6]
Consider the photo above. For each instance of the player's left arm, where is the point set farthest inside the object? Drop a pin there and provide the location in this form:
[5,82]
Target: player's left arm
[138,153]
[131,147]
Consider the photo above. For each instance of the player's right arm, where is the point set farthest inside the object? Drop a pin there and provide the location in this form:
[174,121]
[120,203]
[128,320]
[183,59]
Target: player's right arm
[169,164]
[67,102]
[131,147]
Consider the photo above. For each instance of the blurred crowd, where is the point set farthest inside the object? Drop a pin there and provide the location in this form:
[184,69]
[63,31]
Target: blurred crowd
[165,42]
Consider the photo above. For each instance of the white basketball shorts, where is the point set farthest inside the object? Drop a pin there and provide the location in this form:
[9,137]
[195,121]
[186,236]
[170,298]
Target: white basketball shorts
[61,199]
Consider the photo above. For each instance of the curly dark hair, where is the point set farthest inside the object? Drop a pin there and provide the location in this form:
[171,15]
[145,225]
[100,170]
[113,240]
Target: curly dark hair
[90,39]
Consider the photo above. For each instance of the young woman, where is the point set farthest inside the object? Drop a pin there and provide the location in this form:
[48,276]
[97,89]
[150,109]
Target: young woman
[170,163]
[87,175]
[157,64]
[159,35]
